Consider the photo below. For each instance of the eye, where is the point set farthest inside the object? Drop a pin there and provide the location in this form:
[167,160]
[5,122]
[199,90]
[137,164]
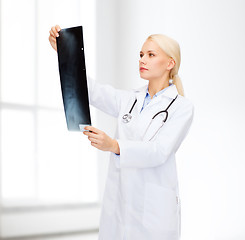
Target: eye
[151,54]
[141,55]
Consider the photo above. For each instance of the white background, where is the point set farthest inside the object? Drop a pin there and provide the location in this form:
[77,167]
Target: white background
[210,161]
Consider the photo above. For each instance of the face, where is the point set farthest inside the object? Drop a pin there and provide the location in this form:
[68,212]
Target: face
[154,63]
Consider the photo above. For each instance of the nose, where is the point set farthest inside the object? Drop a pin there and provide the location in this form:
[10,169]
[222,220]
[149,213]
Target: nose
[142,60]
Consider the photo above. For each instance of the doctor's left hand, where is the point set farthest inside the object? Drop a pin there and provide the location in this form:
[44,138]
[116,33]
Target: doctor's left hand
[101,140]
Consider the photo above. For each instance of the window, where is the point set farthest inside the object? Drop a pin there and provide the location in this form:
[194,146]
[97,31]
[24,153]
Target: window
[41,162]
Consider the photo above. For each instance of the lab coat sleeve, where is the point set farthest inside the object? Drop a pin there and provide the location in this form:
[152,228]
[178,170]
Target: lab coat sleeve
[105,97]
[146,154]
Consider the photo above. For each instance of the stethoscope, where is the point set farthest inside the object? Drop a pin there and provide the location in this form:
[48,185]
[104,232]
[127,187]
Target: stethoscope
[128,116]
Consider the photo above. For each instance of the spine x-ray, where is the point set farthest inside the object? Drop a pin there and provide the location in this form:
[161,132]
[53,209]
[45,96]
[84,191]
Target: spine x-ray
[73,79]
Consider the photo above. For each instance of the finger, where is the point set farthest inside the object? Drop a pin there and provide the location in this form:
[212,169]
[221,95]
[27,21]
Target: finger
[57,27]
[94,140]
[93,129]
[52,34]
[53,42]
[52,39]
[54,31]
[91,134]
[94,145]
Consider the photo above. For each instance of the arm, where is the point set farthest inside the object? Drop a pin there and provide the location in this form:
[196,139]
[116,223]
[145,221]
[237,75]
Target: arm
[138,154]
[105,97]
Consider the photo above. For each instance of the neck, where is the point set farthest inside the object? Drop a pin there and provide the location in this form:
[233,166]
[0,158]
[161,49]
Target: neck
[156,86]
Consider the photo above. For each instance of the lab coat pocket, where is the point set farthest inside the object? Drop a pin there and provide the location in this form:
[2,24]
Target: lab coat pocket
[160,208]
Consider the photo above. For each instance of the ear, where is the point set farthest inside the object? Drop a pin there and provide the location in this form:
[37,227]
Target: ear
[171,64]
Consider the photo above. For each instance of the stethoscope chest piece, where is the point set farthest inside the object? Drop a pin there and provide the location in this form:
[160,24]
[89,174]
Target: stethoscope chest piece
[127,117]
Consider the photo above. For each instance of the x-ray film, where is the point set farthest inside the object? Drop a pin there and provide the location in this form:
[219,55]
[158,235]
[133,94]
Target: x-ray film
[73,79]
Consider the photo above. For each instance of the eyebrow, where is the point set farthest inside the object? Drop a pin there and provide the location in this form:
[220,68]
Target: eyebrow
[148,51]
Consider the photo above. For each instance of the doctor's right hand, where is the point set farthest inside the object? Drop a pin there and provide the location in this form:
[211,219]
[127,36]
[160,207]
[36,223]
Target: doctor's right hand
[54,32]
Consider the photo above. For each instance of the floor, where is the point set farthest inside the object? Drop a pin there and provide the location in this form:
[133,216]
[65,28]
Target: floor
[74,237]
[88,236]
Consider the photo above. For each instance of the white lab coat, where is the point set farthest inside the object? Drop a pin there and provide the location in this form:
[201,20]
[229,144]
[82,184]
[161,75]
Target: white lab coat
[141,199]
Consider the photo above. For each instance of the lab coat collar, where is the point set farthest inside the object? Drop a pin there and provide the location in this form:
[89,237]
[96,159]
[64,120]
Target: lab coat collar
[171,92]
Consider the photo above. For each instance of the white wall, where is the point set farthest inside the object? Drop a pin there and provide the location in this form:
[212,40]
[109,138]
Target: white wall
[210,162]
[105,73]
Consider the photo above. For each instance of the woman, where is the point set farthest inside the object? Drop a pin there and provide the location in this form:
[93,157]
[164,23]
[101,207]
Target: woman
[141,199]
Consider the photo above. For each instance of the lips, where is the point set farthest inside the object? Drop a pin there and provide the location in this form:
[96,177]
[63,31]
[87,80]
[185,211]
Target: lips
[142,69]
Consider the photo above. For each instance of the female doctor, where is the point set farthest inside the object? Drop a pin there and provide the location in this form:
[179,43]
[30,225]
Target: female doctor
[141,199]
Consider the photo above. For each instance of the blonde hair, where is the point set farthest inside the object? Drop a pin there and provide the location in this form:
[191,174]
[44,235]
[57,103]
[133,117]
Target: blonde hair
[172,49]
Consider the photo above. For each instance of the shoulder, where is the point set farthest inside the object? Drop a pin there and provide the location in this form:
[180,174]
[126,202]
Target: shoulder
[184,107]
[140,89]
[185,102]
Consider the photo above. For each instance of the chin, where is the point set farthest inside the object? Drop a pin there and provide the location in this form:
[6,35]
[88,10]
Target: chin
[144,77]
